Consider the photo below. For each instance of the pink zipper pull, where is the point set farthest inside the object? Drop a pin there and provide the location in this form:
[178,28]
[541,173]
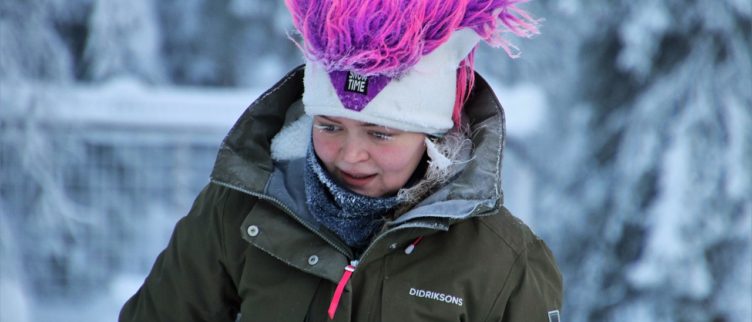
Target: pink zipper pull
[349,269]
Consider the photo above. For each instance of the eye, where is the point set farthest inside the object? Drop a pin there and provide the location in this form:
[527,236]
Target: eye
[381,135]
[330,128]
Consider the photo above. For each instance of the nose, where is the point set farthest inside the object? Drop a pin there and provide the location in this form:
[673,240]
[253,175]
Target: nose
[354,150]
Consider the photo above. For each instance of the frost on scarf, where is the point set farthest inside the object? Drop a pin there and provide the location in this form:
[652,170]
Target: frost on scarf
[353,217]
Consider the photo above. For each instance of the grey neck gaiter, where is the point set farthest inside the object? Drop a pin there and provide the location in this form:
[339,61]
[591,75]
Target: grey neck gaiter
[353,217]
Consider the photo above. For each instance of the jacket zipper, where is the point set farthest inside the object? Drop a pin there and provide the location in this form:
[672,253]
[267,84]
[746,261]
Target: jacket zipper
[344,250]
[381,236]
[349,270]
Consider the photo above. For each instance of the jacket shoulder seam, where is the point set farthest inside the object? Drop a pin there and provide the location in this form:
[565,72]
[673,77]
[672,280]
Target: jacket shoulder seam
[504,285]
[522,232]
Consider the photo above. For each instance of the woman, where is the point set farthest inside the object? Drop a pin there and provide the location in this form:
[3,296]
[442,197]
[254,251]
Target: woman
[365,186]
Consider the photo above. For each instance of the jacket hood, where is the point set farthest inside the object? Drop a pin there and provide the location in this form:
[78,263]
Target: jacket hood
[245,163]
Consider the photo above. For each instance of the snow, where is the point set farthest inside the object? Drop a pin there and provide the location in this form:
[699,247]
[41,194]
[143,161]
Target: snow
[628,150]
[739,140]
[14,298]
[14,301]
[641,36]
[126,102]
[124,40]
[86,307]
[524,106]
[123,110]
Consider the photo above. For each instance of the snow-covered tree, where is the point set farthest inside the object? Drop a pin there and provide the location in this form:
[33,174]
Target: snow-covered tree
[30,47]
[241,42]
[638,175]
[648,205]
[124,39]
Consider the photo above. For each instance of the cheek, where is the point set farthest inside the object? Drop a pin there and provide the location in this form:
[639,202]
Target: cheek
[392,159]
[325,148]
[399,162]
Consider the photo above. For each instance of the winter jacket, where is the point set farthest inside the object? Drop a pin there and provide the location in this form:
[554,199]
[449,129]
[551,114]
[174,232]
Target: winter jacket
[249,250]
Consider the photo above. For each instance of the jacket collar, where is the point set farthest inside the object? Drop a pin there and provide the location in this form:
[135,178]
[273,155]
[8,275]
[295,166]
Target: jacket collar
[244,160]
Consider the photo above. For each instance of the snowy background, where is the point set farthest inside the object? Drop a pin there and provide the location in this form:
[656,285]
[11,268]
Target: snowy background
[629,148]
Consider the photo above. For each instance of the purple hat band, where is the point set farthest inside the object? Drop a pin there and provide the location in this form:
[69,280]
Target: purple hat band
[356,91]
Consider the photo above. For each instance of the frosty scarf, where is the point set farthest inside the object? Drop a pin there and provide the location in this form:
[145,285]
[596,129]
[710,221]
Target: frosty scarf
[353,217]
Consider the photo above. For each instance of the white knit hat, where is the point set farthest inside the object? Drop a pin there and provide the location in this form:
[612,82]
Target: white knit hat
[398,63]
[421,100]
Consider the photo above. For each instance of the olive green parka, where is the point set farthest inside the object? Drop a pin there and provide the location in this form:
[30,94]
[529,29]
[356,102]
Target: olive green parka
[248,250]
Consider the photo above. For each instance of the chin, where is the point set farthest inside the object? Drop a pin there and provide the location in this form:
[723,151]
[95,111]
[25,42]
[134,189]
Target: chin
[367,193]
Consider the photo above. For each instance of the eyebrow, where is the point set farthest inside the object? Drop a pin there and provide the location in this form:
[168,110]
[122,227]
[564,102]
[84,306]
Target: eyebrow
[361,123]
[327,118]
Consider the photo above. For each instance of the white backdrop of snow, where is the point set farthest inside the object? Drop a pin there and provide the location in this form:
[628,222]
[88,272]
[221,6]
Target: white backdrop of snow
[659,231]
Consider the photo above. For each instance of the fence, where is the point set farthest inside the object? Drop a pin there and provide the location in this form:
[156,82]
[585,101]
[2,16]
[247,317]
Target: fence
[93,179]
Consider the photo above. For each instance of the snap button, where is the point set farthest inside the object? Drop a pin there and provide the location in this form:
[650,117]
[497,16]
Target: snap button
[313,260]
[393,246]
[253,230]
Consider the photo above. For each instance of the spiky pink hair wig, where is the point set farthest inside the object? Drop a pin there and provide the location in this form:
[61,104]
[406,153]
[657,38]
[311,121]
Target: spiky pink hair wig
[388,37]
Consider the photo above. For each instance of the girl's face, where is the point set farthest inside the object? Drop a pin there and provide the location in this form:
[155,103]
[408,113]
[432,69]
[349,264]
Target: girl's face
[368,159]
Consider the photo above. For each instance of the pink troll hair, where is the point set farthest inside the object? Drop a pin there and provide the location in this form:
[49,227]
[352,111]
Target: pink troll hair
[465,83]
[388,37]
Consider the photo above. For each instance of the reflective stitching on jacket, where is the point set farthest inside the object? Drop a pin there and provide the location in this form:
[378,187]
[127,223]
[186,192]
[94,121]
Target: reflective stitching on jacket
[553,316]
[279,85]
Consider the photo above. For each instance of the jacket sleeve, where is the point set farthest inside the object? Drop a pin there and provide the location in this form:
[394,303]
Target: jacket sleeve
[189,281]
[536,287]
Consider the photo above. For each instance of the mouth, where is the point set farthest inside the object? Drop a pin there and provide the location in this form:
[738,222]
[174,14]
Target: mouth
[356,180]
